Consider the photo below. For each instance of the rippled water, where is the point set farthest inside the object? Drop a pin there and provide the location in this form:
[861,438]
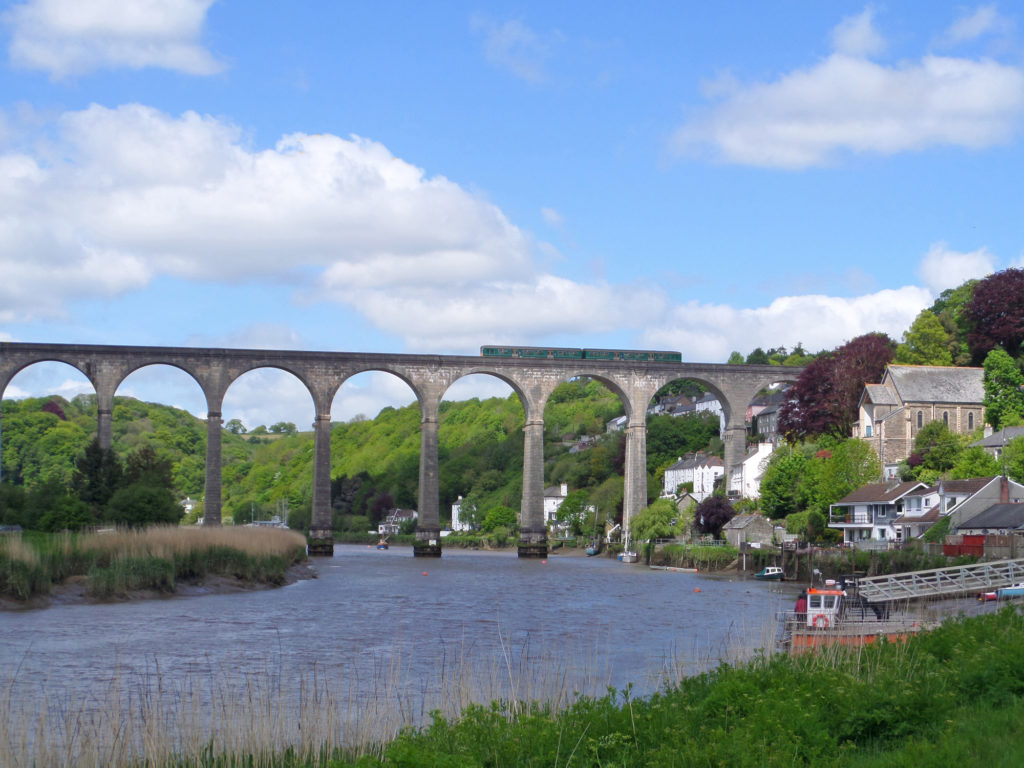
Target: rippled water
[394,626]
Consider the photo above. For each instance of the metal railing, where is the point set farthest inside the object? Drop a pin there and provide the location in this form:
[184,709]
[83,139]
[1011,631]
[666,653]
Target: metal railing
[957,580]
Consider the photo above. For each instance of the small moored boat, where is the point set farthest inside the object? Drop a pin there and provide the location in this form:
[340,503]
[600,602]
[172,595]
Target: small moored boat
[1017,590]
[770,573]
[382,543]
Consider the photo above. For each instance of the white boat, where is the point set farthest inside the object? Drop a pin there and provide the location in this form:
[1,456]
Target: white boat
[628,555]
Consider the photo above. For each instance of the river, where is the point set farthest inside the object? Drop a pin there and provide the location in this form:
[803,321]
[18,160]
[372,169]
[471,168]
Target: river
[381,630]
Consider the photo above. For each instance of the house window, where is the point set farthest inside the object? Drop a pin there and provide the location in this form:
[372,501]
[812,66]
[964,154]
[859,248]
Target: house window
[868,430]
[945,418]
[920,419]
[970,421]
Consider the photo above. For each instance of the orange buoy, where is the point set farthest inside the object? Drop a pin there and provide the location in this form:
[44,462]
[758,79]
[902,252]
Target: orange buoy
[543,562]
[696,589]
[424,573]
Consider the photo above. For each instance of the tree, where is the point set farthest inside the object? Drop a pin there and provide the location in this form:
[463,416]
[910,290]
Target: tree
[97,475]
[974,462]
[573,511]
[926,342]
[736,358]
[1004,398]
[144,466]
[656,521]
[781,484]
[849,465]
[283,428]
[949,308]
[235,427]
[938,447]
[138,505]
[669,437]
[713,513]
[1013,459]
[504,517]
[758,357]
[996,314]
[823,401]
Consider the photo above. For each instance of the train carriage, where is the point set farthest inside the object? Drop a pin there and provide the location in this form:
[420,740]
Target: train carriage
[560,353]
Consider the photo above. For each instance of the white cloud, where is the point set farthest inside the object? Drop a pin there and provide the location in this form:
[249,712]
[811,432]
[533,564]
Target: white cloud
[943,268]
[710,332]
[848,103]
[458,316]
[129,194]
[73,37]
[857,36]
[984,20]
[552,217]
[515,47]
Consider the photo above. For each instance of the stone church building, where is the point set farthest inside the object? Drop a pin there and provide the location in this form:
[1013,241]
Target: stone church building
[909,396]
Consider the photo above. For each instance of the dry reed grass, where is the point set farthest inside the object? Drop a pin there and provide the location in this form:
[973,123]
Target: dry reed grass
[156,721]
[166,541]
[15,548]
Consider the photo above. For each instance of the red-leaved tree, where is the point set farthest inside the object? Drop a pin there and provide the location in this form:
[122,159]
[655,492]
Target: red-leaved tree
[995,314]
[823,401]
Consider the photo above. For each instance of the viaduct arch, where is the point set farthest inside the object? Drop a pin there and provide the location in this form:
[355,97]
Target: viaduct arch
[429,377]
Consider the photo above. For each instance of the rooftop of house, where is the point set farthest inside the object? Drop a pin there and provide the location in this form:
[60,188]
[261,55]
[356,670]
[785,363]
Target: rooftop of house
[697,460]
[742,521]
[1003,436]
[880,493]
[879,394]
[936,384]
[954,487]
[1006,515]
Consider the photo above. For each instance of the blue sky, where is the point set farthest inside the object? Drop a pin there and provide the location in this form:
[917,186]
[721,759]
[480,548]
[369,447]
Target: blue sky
[431,177]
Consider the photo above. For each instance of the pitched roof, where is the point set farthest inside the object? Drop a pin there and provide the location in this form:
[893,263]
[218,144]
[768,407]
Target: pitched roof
[1007,515]
[879,394]
[742,521]
[880,492]
[936,384]
[997,439]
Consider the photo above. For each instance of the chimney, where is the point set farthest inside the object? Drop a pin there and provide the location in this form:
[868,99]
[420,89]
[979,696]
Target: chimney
[1004,490]
[565,489]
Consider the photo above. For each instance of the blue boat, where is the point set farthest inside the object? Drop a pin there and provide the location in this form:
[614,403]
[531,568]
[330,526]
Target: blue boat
[1017,590]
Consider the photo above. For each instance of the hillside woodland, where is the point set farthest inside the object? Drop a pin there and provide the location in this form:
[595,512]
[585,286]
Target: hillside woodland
[56,477]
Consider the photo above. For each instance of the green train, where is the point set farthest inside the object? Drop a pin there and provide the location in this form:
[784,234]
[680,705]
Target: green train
[547,353]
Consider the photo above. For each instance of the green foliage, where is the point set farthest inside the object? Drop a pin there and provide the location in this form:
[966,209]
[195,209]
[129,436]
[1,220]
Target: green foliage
[1013,459]
[655,521]
[669,437]
[501,517]
[938,447]
[944,698]
[141,504]
[949,308]
[575,512]
[925,343]
[800,478]
[1004,398]
[974,462]
[937,533]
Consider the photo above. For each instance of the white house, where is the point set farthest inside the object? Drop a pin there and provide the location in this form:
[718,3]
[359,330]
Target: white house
[553,498]
[708,402]
[699,469]
[458,524]
[392,523]
[746,478]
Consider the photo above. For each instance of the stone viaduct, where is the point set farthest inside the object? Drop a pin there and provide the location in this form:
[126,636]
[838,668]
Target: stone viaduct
[429,377]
